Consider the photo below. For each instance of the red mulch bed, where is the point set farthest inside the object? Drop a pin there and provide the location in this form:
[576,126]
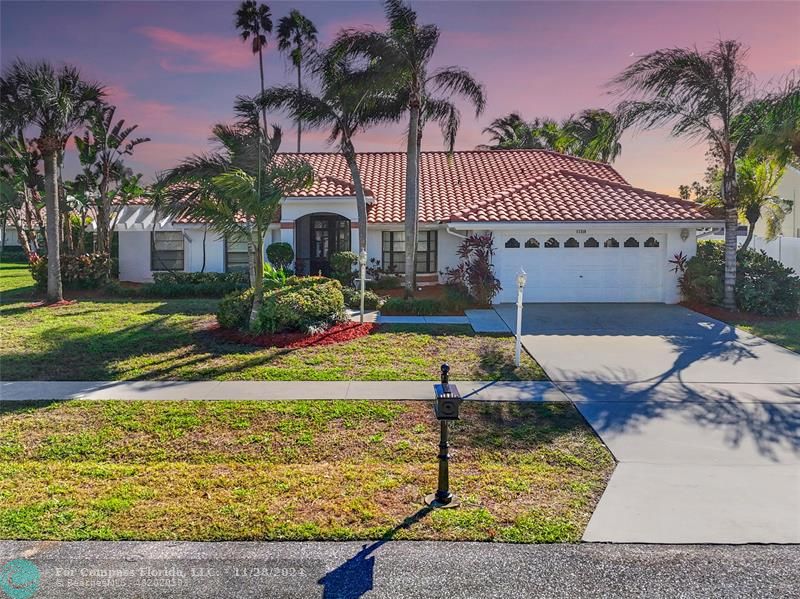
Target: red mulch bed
[735,315]
[339,333]
[44,304]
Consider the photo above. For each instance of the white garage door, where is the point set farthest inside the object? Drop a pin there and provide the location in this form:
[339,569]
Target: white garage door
[612,267]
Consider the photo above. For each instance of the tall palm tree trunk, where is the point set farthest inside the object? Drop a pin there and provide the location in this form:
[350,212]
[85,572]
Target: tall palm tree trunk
[261,72]
[54,291]
[299,121]
[731,224]
[412,195]
[749,239]
[257,240]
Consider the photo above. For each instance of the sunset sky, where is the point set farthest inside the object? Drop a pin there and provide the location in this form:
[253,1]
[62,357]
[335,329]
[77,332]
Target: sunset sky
[175,67]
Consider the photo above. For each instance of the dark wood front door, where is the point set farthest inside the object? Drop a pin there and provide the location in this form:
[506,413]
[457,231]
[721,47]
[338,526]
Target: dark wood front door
[329,234]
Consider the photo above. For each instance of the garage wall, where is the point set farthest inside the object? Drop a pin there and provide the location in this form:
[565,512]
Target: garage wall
[592,274]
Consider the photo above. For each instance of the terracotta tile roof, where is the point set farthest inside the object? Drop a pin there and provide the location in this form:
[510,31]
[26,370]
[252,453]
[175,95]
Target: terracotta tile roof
[564,196]
[493,185]
[327,186]
[448,182]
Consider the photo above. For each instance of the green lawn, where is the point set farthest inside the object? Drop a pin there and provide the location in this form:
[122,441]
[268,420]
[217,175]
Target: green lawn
[15,280]
[783,332]
[110,339]
[293,470]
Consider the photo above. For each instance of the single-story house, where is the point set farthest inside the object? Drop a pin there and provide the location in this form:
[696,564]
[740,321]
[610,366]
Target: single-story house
[580,231]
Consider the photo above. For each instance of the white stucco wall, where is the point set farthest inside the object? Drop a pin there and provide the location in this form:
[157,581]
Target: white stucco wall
[193,251]
[134,256]
[675,244]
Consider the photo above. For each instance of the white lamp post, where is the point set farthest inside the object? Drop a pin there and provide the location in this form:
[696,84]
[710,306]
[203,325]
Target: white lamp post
[362,269]
[522,278]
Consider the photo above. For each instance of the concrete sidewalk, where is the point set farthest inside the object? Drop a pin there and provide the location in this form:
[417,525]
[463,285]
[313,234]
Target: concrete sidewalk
[397,569]
[535,391]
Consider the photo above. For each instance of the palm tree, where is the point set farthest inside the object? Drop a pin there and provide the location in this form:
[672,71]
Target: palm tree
[777,123]
[254,21]
[702,95]
[22,180]
[56,102]
[101,151]
[509,132]
[236,190]
[594,134]
[406,50]
[757,177]
[349,101]
[296,35]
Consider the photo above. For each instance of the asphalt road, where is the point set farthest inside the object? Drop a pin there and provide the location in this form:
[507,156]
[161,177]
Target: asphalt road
[398,570]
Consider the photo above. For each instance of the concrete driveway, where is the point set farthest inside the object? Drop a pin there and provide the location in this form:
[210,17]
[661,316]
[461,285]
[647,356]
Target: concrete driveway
[704,420]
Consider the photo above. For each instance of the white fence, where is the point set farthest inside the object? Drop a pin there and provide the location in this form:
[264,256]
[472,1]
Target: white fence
[783,249]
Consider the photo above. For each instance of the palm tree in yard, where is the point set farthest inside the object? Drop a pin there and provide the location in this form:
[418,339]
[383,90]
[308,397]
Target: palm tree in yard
[757,178]
[594,134]
[55,102]
[701,95]
[297,36]
[777,122]
[101,151]
[348,101]
[236,190]
[406,50]
[254,22]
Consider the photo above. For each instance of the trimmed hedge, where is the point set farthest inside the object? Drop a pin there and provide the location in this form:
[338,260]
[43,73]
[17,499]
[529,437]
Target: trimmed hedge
[87,271]
[352,299]
[280,254]
[414,307]
[195,284]
[763,285]
[304,304]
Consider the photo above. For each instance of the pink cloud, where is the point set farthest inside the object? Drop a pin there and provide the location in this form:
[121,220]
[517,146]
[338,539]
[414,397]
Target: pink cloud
[198,53]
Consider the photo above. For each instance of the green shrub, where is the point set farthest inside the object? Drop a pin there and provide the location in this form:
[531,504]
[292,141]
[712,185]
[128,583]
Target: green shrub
[86,271]
[303,303]
[280,254]
[763,285]
[352,299]
[274,277]
[301,306]
[386,282]
[411,306]
[342,266]
[195,284]
[234,309]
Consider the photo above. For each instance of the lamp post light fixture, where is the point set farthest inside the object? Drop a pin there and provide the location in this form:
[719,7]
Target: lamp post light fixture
[362,270]
[446,406]
[522,279]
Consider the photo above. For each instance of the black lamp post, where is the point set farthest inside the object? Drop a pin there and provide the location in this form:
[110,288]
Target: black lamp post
[446,406]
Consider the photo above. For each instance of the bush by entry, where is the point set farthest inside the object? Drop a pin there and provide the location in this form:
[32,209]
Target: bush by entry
[306,304]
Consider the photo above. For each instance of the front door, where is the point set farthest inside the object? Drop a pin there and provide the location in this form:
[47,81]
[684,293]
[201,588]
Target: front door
[329,234]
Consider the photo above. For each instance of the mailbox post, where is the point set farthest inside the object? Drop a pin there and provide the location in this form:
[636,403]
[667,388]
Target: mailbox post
[446,407]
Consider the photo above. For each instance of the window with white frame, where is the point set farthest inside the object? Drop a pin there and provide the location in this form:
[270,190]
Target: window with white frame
[394,251]
[166,250]
[236,255]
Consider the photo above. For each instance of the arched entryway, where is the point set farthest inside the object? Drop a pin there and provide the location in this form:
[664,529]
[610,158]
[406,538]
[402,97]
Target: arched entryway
[317,237]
